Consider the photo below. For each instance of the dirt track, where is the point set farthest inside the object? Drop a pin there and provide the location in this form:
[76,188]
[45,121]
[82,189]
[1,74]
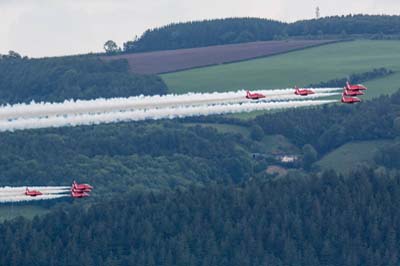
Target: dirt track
[175,60]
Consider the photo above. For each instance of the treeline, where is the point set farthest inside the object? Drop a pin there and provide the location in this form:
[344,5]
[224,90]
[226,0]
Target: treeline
[317,131]
[205,33]
[124,157]
[239,30]
[344,25]
[319,221]
[58,79]
[355,78]
[329,127]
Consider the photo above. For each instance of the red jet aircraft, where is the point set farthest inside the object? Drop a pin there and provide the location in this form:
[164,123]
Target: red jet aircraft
[357,87]
[81,194]
[81,187]
[80,190]
[350,100]
[32,193]
[303,92]
[254,96]
[352,93]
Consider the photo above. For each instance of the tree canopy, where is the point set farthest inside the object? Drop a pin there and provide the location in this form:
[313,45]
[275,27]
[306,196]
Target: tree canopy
[59,79]
[326,220]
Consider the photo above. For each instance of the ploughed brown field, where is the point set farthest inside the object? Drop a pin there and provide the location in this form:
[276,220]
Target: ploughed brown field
[174,60]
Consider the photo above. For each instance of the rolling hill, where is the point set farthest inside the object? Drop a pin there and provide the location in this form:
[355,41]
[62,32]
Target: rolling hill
[297,68]
[175,60]
[350,155]
[241,30]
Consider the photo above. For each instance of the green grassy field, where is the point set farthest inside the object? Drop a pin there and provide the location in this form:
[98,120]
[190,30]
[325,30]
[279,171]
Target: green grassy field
[297,68]
[346,157]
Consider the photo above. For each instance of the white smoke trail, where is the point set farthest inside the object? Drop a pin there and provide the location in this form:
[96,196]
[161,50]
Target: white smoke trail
[7,191]
[153,114]
[144,102]
[17,198]
[16,194]
[33,187]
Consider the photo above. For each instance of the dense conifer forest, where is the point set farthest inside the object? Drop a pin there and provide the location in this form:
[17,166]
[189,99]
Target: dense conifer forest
[319,220]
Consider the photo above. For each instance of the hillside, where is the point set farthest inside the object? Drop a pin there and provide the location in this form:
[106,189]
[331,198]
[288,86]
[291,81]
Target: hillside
[64,78]
[123,157]
[299,68]
[240,30]
[205,33]
[163,155]
[196,191]
[351,155]
[175,60]
[314,186]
